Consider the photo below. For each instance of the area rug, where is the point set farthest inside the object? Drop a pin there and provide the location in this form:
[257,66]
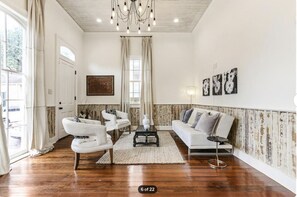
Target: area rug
[125,153]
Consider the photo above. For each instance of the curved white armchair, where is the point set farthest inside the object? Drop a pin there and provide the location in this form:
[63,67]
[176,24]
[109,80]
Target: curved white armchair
[95,138]
[112,123]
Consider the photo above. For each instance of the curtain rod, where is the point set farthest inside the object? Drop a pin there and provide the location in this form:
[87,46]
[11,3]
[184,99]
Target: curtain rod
[135,36]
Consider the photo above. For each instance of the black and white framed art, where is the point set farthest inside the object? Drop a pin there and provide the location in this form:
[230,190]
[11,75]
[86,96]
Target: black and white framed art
[206,87]
[230,81]
[217,84]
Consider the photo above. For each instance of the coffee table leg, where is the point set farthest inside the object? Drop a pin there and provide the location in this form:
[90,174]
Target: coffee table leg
[157,137]
[134,140]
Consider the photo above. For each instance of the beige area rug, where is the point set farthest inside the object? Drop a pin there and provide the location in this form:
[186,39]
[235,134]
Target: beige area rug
[125,153]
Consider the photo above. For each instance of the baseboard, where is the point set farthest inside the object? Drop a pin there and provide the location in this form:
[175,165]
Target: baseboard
[167,128]
[278,176]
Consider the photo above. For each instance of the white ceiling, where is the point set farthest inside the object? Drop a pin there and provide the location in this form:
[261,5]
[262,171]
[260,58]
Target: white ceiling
[85,13]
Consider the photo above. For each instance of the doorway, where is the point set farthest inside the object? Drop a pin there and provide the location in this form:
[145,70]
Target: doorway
[65,86]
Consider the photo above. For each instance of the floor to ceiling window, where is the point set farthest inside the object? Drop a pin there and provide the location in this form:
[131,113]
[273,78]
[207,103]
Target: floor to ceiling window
[135,81]
[12,58]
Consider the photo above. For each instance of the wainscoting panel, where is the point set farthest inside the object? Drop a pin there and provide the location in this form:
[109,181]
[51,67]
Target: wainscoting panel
[163,113]
[94,110]
[267,135]
[51,116]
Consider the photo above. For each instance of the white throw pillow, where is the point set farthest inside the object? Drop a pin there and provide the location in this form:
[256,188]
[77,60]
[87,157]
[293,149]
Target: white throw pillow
[192,117]
[207,123]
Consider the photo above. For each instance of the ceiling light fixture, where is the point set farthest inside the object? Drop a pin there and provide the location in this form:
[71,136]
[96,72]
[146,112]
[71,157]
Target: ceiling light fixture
[176,20]
[99,20]
[135,12]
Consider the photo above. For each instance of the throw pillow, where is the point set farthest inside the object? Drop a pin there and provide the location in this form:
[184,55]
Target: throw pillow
[192,117]
[182,114]
[207,123]
[76,119]
[187,115]
[197,118]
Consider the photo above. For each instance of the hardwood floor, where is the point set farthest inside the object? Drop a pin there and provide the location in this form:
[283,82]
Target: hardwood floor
[53,175]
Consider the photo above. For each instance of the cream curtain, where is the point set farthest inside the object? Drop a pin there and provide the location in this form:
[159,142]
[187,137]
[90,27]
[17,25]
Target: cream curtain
[4,156]
[146,100]
[125,54]
[35,75]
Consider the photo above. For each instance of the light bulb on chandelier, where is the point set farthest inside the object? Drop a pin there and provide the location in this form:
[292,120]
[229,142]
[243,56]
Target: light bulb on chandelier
[139,8]
[113,12]
[125,8]
[133,13]
[152,14]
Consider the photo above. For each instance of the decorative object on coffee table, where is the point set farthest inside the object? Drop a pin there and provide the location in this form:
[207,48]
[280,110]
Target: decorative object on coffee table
[216,163]
[146,122]
[149,132]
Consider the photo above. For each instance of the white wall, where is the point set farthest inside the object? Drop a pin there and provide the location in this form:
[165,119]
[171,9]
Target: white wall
[172,65]
[257,37]
[58,23]
[20,6]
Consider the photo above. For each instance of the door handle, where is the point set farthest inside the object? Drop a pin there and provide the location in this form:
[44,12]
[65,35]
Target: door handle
[60,108]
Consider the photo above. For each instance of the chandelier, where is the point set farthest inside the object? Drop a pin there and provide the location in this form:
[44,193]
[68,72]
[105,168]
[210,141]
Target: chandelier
[133,12]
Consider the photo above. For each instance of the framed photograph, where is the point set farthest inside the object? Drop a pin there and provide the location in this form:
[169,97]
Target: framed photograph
[230,81]
[217,84]
[100,85]
[206,87]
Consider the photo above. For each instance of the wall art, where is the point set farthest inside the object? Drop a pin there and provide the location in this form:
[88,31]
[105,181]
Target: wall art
[217,84]
[206,87]
[100,85]
[230,81]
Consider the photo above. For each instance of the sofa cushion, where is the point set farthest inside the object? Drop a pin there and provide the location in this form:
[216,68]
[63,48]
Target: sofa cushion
[76,119]
[192,117]
[197,118]
[207,123]
[187,115]
[182,114]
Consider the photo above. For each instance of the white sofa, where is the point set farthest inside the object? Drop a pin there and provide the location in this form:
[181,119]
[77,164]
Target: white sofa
[198,140]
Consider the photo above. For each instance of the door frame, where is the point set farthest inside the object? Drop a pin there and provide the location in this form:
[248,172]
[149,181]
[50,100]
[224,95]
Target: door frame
[61,42]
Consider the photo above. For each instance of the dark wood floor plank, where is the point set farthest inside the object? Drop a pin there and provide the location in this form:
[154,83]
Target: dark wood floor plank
[53,175]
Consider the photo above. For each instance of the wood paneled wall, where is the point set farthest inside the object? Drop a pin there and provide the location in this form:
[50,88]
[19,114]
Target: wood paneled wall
[163,113]
[267,135]
[51,117]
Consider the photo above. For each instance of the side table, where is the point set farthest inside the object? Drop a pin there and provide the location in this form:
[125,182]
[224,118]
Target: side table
[216,163]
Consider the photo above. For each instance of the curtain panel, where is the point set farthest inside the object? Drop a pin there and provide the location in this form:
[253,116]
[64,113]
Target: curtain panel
[35,78]
[146,100]
[125,90]
[4,156]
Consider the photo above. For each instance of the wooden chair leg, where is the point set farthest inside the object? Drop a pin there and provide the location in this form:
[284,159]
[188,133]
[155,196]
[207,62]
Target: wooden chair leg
[117,134]
[76,161]
[111,155]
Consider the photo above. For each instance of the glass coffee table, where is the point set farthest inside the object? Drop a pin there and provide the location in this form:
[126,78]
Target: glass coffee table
[150,132]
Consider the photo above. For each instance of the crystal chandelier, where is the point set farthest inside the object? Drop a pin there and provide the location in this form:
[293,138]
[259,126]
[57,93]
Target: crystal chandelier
[133,12]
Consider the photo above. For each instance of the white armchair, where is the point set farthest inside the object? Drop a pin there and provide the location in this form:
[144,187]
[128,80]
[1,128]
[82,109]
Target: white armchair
[95,138]
[114,124]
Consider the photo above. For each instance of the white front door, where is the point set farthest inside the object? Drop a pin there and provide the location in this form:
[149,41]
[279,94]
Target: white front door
[65,94]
